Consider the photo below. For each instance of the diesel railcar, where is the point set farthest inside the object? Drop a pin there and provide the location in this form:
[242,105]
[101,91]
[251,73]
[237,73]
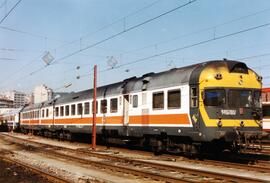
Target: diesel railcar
[210,104]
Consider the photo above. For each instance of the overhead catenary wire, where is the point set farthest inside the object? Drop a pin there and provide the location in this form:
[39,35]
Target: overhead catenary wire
[102,28]
[195,32]
[254,56]
[185,47]
[200,31]
[199,43]
[2,20]
[112,23]
[117,34]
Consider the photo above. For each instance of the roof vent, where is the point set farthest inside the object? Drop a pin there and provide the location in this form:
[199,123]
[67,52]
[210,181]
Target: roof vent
[237,67]
[128,79]
[146,80]
[148,74]
[75,97]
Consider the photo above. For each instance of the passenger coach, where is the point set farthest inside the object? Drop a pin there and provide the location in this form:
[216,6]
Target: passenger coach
[215,103]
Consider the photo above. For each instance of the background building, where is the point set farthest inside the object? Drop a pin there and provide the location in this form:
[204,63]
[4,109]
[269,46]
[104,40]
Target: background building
[19,98]
[6,103]
[266,95]
[42,93]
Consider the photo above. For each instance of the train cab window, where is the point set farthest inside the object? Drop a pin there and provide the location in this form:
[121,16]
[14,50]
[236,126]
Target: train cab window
[79,109]
[62,111]
[240,98]
[174,99]
[96,107]
[114,105]
[158,100]
[103,106]
[67,110]
[194,97]
[257,99]
[57,111]
[135,101]
[214,97]
[86,108]
[73,111]
[47,112]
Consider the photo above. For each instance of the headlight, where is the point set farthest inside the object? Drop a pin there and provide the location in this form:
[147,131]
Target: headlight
[242,124]
[219,123]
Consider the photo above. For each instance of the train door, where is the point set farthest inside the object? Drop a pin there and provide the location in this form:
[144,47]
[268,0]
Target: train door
[194,106]
[125,110]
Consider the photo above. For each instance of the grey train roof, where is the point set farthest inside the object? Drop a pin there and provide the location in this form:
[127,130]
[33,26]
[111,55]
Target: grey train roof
[150,81]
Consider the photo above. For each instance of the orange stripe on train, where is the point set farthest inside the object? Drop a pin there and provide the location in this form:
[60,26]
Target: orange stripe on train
[143,119]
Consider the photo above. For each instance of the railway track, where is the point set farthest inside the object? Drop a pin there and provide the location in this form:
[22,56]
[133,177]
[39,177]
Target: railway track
[50,177]
[142,168]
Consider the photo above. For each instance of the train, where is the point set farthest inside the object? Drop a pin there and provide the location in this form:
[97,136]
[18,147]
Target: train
[209,106]
[9,120]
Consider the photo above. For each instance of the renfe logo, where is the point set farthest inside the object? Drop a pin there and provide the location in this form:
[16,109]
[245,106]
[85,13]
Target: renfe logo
[228,112]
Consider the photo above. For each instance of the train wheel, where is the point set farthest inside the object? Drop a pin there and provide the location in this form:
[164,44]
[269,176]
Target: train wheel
[157,147]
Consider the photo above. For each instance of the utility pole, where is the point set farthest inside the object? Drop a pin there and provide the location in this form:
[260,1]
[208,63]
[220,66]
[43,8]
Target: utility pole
[94,109]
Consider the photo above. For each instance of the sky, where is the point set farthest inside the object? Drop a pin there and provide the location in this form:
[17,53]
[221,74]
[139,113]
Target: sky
[125,38]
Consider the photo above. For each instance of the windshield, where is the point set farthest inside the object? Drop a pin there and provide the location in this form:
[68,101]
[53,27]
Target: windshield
[257,99]
[214,97]
[240,98]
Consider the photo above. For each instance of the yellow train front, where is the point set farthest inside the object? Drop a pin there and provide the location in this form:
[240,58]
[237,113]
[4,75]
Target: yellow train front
[225,104]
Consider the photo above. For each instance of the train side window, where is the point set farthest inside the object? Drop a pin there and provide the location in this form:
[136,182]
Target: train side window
[57,111]
[96,107]
[43,113]
[103,106]
[86,108]
[144,98]
[67,110]
[194,97]
[158,100]
[135,101]
[47,112]
[79,109]
[114,105]
[174,99]
[73,111]
[62,111]
[266,110]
